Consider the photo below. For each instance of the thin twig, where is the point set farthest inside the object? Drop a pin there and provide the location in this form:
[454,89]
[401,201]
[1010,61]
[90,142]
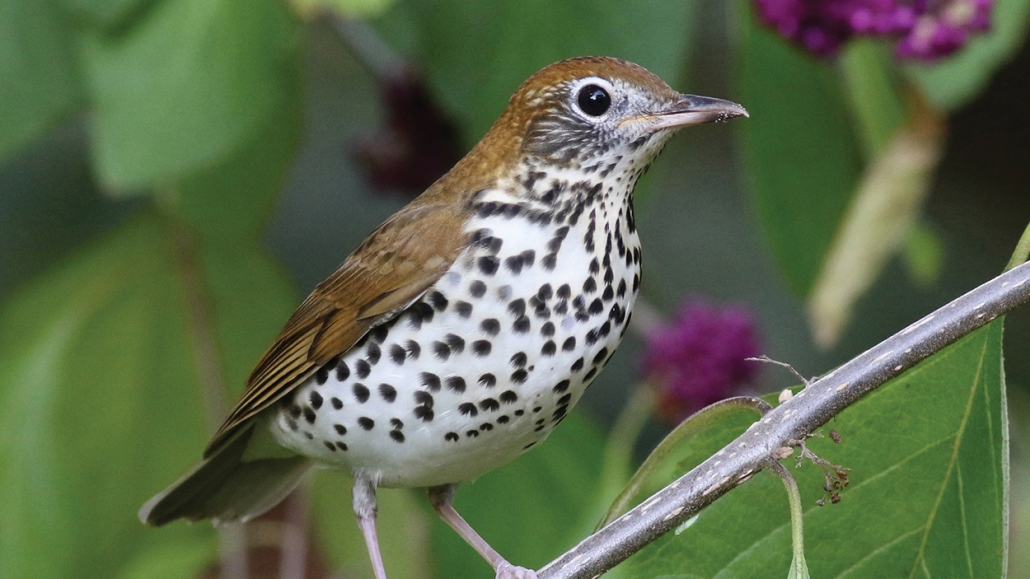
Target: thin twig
[791,421]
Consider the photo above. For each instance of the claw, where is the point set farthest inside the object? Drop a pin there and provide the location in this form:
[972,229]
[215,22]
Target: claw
[508,571]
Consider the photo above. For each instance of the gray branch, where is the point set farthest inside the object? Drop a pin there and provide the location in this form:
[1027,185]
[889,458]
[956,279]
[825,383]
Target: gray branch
[791,421]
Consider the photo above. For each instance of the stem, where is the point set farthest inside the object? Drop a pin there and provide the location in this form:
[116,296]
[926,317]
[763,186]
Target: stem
[693,425]
[232,544]
[799,568]
[791,421]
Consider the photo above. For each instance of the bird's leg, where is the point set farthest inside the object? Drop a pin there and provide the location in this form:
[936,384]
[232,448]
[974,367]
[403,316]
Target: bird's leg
[442,498]
[365,510]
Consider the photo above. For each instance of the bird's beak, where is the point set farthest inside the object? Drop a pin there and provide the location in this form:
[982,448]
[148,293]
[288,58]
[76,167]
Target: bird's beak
[691,110]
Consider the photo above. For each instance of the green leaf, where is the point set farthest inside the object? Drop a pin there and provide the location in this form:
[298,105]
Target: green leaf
[924,254]
[352,8]
[531,510]
[38,83]
[102,402]
[402,525]
[886,206]
[959,78]
[928,454]
[478,53]
[95,375]
[873,95]
[803,159]
[186,87]
[235,198]
[113,16]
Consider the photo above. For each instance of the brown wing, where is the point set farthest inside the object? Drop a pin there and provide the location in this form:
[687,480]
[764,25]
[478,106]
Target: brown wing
[388,271]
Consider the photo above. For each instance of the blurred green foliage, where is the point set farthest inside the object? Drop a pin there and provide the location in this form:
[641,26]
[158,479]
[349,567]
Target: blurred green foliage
[120,357]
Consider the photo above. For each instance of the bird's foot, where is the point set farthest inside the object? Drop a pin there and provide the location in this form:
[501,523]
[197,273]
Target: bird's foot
[508,571]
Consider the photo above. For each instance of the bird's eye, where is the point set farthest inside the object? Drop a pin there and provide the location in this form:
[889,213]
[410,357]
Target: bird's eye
[594,100]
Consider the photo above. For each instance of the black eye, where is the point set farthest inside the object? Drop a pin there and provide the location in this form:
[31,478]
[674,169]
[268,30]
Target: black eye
[594,100]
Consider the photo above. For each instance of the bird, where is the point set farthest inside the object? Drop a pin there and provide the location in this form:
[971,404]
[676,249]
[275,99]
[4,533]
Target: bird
[461,332]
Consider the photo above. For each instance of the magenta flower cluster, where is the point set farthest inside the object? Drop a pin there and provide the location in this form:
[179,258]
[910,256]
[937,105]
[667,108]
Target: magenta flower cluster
[699,357]
[924,29]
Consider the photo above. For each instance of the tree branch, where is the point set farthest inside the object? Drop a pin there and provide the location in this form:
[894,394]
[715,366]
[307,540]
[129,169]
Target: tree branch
[791,421]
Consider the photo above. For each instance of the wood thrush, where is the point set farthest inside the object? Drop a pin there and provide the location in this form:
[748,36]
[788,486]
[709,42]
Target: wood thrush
[461,332]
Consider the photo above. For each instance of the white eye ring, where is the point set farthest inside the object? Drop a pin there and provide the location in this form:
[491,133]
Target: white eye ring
[576,104]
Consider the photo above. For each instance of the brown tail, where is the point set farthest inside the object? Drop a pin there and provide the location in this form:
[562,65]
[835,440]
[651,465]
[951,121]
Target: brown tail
[225,488]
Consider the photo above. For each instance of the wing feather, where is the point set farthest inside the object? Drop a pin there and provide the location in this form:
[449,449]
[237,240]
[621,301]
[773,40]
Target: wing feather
[391,269]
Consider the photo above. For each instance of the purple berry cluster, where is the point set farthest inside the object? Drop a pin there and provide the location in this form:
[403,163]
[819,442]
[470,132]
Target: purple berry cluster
[699,358]
[924,29]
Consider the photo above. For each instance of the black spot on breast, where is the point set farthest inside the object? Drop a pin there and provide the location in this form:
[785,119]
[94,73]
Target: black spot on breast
[336,402]
[547,330]
[564,292]
[423,413]
[517,307]
[595,267]
[468,409]
[442,350]
[486,426]
[514,264]
[340,429]
[464,309]
[561,387]
[329,445]
[577,365]
[608,294]
[491,326]
[414,350]
[596,307]
[509,397]
[488,264]
[455,383]
[481,348]
[438,301]
[590,375]
[477,289]
[396,423]
[374,353]
[389,393]
[362,368]
[378,334]
[342,446]
[521,325]
[519,376]
[309,415]
[451,436]
[430,381]
[589,286]
[568,345]
[316,400]
[472,433]
[549,261]
[543,312]
[342,371]
[549,348]
[454,341]
[397,435]
[519,359]
[397,354]
[322,375]
[489,405]
[488,380]
[545,292]
[361,393]
[503,419]
[366,423]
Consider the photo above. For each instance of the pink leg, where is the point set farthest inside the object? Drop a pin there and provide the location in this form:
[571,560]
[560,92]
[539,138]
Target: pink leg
[365,510]
[442,497]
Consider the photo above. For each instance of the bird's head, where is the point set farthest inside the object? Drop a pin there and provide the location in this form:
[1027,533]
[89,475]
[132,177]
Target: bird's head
[583,110]
[580,114]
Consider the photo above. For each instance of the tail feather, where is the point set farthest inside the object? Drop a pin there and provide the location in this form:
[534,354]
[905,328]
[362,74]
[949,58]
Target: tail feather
[225,487]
